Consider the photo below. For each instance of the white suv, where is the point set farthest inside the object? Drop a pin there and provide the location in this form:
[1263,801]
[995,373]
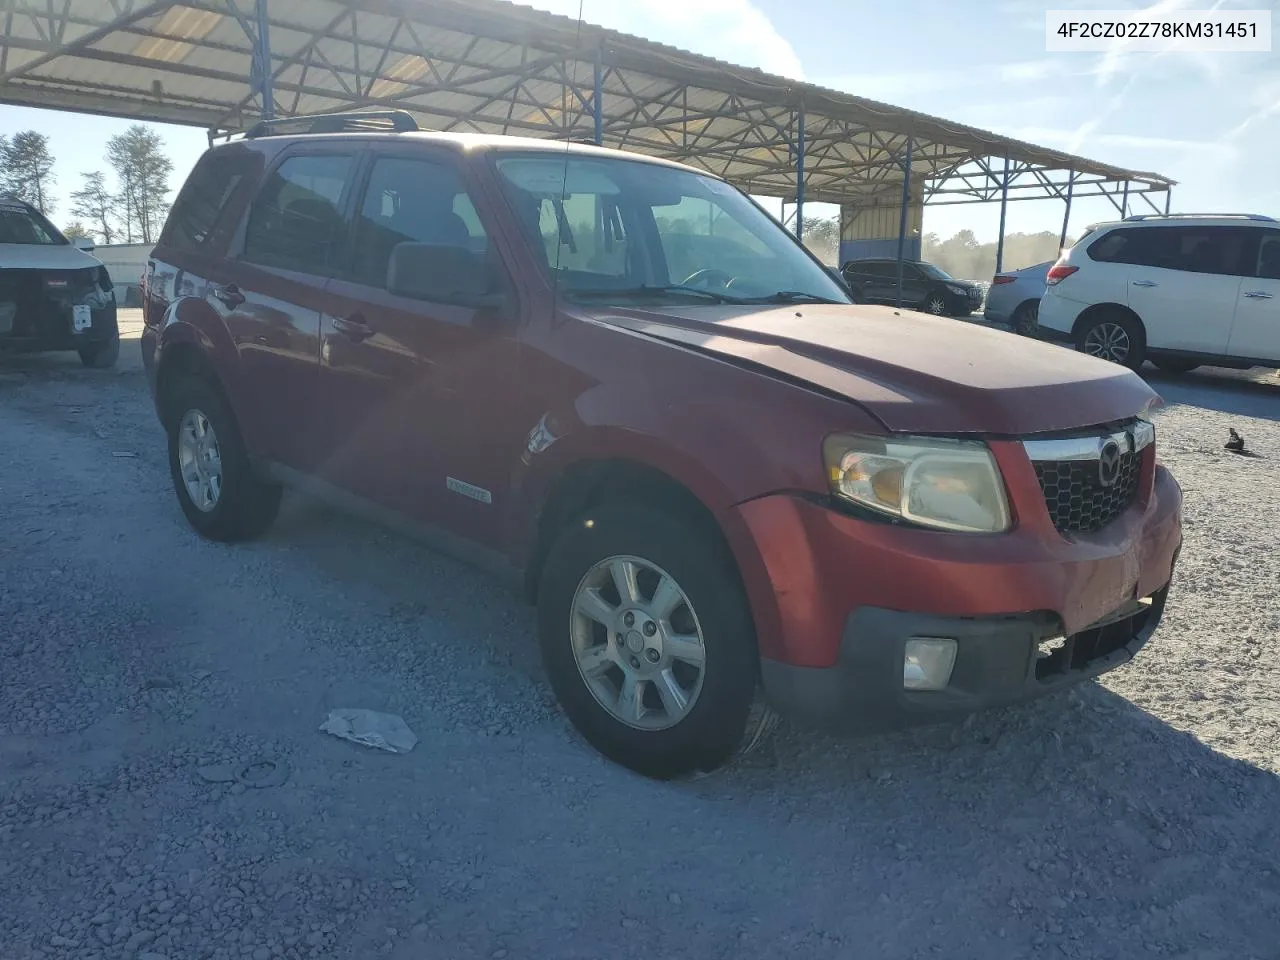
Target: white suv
[1177,290]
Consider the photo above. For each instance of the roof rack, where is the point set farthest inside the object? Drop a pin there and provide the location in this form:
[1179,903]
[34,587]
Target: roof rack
[1185,216]
[372,121]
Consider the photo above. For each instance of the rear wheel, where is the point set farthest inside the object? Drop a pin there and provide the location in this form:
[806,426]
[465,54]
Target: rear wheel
[1116,337]
[1026,318]
[1175,364]
[212,476]
[648,641]
[101,354]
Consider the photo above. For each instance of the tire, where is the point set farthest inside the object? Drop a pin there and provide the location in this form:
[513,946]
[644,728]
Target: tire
[242,506]
[934,303]
[1175,364]
[101,355]
[711,606]
[1026,318]
[1116,337]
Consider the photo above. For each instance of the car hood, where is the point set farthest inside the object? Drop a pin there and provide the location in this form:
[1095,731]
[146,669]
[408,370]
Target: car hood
[44,256]
[914,373]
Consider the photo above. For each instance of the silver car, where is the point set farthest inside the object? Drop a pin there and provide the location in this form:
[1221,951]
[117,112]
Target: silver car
[1014,297]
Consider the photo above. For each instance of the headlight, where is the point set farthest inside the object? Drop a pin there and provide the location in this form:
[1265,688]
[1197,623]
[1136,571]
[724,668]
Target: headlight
[946,484]
[963,291]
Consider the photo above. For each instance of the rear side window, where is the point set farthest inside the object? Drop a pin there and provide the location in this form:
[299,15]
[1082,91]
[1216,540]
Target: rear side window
[870,269]
[411,201]
[1269,257]
[1213,250]
[296,219]
[199,207]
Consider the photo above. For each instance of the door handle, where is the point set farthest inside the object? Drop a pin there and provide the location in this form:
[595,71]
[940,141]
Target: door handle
[355,327]
[1145,283]
[228,295]
[1259,295]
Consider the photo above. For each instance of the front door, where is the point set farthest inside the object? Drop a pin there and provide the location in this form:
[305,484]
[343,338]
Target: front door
[417,395]
[271,296]
[1186,286]
[1256,332]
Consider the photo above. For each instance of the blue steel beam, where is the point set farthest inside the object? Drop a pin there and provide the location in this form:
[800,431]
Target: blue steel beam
[597,93]
[800,173]
[1004,209]
[262,53]
[1066,217]
[902,216]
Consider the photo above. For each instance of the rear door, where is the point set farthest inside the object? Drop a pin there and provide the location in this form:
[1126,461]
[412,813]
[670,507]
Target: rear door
[1256,332]
[272,295]
[873,275]
[419,399]
[1184,282]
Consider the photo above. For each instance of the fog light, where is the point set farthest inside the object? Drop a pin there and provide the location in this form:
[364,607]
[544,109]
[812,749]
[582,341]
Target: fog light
[927,663]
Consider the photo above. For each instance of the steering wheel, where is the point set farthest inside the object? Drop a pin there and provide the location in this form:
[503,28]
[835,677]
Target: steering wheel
[708,276]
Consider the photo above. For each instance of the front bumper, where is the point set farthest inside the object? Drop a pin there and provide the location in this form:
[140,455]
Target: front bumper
[835,597]
[999,661]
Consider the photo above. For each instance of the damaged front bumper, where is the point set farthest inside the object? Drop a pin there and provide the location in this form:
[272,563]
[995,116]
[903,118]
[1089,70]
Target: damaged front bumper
[56,309]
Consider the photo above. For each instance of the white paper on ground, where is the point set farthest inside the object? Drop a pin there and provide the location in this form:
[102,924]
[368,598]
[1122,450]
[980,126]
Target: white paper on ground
[383,731]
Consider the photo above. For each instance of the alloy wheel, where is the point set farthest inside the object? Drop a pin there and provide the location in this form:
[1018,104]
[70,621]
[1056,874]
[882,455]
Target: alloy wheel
[936,306]
[200,460]
[1108,341]
[637,642]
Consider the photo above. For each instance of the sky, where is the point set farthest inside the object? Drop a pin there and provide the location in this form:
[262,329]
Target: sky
[1209,121]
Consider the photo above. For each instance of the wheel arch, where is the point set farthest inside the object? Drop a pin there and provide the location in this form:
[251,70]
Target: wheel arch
[588,484]
[1096,311]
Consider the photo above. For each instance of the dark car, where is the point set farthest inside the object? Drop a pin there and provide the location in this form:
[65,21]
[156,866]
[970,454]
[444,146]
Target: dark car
[924,286]
[53,295]
[714,475]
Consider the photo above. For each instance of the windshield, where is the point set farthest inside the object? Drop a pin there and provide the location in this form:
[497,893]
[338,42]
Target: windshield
[20,225]
[937,273]
[617,231]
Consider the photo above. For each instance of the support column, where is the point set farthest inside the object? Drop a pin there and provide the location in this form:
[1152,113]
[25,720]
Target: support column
[1168,198]
[800,174]
[1124,203]
[1004,208]
[902,216]
[1066,217]
[262,53]
[597,103]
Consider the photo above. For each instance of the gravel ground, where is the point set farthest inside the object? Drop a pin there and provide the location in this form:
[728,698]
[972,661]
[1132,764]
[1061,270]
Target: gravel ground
[1133,817]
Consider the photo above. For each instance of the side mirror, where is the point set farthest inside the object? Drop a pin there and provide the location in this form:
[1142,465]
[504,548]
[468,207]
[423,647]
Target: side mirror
[443,273]
[83,243]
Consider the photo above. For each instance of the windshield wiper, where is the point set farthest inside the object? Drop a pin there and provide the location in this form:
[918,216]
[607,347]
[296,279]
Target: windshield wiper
[645,291]
[793,296]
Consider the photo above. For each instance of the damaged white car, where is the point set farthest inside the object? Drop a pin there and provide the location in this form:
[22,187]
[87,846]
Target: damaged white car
[53,294]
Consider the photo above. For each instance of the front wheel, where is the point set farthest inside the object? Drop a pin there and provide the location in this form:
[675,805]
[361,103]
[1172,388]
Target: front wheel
[647,641]
[935,304]
[1114,337]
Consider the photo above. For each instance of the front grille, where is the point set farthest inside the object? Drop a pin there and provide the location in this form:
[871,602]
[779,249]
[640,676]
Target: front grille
[1076,498]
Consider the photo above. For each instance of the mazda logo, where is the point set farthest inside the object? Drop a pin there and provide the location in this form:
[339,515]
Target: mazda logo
[1109,464]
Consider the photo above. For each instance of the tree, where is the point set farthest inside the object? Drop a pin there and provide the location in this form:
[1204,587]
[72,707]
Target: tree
[143,171]
[26,169]
[96,205]
[822,237]
[75,230]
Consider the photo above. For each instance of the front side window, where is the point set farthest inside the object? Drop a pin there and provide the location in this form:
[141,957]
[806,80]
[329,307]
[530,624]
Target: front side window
[411,201]
[21,225]
[296,219]
[613,230]
[934,272]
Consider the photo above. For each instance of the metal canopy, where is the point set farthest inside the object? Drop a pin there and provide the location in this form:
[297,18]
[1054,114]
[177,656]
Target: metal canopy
[494,67]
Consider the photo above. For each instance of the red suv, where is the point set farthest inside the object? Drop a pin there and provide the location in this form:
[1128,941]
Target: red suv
[622,382]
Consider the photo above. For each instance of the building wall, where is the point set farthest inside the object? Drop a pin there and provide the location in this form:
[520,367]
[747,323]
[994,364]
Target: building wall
[125,262]
[870,229]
